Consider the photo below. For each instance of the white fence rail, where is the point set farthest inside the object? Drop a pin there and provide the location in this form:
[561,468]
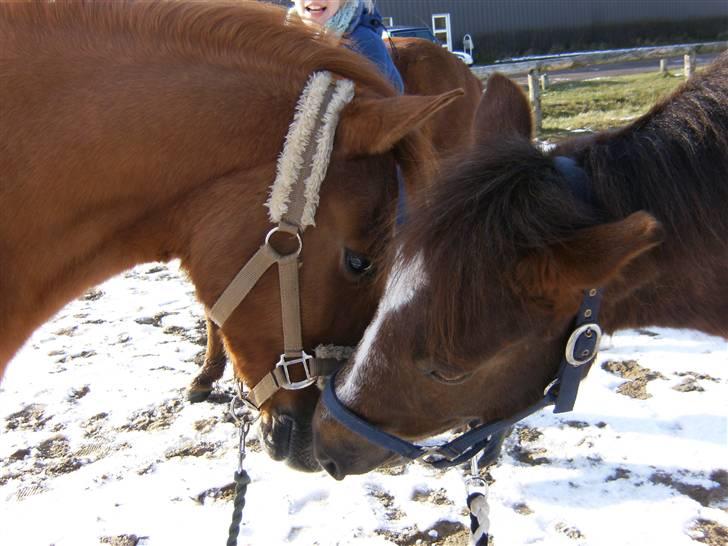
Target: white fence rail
[537,68]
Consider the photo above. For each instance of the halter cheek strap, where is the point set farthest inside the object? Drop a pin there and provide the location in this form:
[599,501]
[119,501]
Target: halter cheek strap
[292,204]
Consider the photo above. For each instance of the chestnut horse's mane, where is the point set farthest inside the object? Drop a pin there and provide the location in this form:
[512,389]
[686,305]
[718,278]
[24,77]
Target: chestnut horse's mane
[506,200]
[233,33]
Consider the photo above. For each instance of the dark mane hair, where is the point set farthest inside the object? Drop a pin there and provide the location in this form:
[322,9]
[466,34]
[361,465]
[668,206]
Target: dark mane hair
[498,204]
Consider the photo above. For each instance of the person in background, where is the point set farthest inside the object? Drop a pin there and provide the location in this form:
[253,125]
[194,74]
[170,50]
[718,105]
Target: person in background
[356,20]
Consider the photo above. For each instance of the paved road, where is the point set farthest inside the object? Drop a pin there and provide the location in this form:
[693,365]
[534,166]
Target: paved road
[674,64]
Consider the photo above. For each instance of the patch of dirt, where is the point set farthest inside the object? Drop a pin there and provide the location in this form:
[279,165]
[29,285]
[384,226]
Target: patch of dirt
[618,474]
[706,496]
[66,331]
[156,418]
[19,455]
[54,448]
[577,424]
[709,532]
[31,417]
[226,493]
[205,425]
[689,384]
[629,369]
[83,354]
[572,532]
[192,450]
[93,425]
[77,394]
[528,434]
[192,336]
[121,540]
[155,321]
[525,454]
[438,496]
[387,500]
[93,294]
[522,508]
[636,389]
[442,533]
[698,376]
[638,376]
[392,470]
[64,466]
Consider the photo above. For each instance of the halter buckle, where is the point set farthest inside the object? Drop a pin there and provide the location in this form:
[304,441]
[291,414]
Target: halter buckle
[285,363]
[588,330]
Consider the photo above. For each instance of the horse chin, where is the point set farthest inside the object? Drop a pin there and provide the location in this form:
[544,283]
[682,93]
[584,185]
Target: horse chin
[286,439]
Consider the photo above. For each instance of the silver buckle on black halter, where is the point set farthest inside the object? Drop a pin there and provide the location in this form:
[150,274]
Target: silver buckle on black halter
[587,330]
[303,360]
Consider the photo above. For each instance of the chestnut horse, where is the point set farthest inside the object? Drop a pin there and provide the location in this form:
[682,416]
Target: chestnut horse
[137,132]
[490,270]
[427,69]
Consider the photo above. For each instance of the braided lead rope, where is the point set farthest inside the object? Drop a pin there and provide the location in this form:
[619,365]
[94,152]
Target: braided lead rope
[477,490]
[242,479]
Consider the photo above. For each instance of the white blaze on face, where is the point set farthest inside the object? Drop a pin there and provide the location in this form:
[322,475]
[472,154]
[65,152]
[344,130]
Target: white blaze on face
[402,285]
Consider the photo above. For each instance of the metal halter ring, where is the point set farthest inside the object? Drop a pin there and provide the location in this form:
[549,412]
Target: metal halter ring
[588,330]
[276,230]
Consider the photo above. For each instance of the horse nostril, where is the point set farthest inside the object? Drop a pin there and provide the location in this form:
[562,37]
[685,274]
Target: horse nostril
[333,469]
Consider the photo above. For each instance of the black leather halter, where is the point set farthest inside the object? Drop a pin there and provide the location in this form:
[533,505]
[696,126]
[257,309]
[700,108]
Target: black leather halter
[581,350]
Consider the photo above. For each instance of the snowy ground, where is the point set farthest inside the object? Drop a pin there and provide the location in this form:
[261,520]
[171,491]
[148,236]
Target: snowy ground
[99,446]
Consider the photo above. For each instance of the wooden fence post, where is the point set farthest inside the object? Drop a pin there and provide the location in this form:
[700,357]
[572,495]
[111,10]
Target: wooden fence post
[689,64]
[544,81]
[534,94]
[663,66]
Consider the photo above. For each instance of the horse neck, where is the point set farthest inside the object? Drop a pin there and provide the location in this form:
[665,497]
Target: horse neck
[100,181]
[673,164]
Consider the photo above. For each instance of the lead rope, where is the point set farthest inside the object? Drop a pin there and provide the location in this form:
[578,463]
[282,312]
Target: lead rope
[477,490]
[244,420]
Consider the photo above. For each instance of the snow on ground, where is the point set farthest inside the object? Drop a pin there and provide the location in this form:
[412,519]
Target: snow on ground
[99,446]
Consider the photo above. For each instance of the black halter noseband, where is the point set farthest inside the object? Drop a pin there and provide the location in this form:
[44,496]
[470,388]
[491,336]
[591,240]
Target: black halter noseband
[581,350]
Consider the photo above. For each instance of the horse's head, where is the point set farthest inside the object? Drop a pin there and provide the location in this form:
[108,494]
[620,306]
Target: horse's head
[483,283]
[338,260]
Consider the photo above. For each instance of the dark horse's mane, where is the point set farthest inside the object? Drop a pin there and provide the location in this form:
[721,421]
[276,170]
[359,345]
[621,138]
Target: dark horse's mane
[503,201]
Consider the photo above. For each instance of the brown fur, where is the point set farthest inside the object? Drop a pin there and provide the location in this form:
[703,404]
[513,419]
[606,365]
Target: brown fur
[450,131]
[507,250]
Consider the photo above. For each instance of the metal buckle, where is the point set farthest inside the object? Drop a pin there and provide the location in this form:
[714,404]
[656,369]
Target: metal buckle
[588,330]
[295,385]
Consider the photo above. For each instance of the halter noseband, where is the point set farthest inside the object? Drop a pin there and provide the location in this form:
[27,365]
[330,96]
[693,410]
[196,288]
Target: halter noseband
[292,205]
[581,350]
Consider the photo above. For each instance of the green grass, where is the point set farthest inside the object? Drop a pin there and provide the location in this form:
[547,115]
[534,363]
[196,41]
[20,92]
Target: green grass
[598,104]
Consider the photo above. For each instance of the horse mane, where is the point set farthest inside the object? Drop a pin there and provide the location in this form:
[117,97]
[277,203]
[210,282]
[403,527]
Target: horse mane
[501,202]
[232,33]
[249,36]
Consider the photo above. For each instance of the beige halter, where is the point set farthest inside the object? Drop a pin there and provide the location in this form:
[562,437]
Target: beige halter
[292,206]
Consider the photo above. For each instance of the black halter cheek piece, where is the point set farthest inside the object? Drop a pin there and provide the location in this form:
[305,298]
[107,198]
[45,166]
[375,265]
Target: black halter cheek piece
[581,350]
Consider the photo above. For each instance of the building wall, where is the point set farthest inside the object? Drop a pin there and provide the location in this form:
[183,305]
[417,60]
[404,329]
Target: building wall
[510,27]
[554,23]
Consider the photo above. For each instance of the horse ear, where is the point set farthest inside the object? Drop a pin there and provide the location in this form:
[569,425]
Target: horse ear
[503,112]
[374,126]
[590,259]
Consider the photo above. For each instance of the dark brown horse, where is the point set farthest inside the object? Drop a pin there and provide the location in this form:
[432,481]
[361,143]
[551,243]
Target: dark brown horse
[427,69]
[490,271]
[136,132]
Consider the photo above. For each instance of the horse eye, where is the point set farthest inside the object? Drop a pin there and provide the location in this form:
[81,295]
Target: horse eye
[356,264]
[450,378]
